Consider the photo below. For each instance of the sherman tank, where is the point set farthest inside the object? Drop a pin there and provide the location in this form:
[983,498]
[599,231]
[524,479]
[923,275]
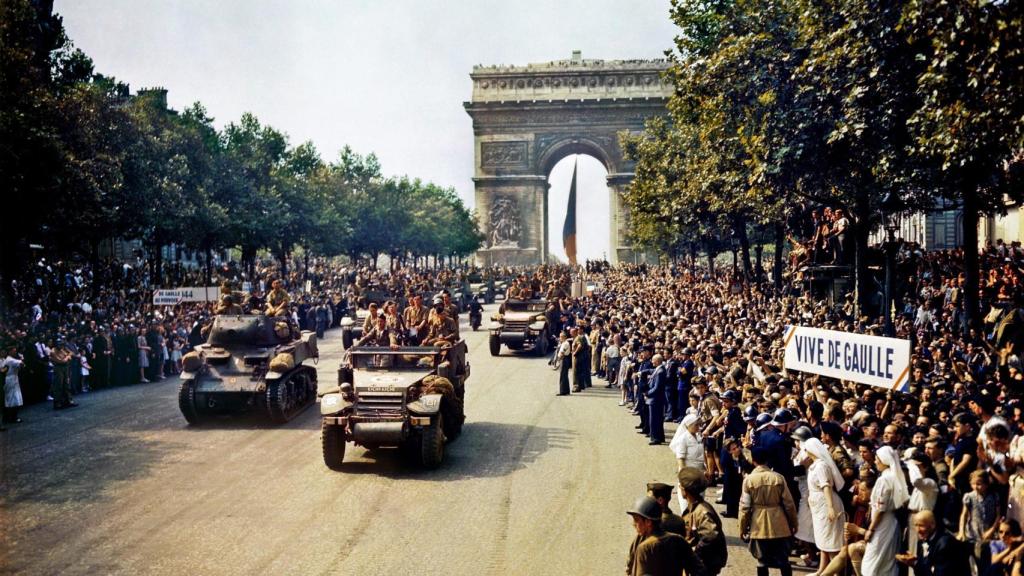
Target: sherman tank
[249,363]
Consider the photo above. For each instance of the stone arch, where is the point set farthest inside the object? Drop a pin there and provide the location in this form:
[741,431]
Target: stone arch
[526,119]
[570,145]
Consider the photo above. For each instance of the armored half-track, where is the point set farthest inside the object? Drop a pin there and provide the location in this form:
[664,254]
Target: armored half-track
[410,398]
[352,326]
[249,363]
[522,325]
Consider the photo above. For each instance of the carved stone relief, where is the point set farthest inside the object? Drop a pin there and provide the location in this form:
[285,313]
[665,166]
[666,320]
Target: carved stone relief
[506,226]
[503,154]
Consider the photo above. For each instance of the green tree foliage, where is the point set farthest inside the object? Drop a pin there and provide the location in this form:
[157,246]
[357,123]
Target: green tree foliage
[834,103]
[91,162]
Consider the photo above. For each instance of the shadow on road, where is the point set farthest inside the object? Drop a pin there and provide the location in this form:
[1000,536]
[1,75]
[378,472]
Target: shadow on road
[111,457]
[484,450]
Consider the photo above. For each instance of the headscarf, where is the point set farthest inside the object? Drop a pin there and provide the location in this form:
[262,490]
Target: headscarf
[690,419]
[819,451]
[894,474]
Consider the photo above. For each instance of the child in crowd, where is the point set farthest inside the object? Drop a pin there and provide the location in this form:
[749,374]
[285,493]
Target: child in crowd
[86,370]
[979,519]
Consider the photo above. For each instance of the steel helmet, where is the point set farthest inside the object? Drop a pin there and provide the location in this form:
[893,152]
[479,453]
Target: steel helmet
[646,507]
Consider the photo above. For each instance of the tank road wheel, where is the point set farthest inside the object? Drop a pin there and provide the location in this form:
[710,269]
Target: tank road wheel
[346,338]
[495,343]
[432,443]
[187,401]
[542,344]
[288,395]
[332,439]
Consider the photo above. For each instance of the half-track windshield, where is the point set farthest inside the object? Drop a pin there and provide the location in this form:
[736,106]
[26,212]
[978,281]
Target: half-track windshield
[526,306]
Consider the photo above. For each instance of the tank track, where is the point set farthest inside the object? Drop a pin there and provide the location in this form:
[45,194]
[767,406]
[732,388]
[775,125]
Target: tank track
[286,397]
[187,401]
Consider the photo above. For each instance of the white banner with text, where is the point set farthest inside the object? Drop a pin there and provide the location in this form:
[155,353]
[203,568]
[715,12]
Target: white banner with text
[170,297]
[874,360]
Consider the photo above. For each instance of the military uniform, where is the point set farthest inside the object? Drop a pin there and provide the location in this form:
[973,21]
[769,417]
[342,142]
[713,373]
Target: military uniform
[60,357]
[441,330]
[768,514]
[415,319]
[662,554]
[704,533]
[379,337]
[277,302]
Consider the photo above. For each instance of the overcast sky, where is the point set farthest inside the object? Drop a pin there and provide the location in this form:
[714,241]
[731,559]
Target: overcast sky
[383,76]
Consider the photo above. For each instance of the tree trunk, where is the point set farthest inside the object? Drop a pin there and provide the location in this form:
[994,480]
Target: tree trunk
[740,228]
[758,261]
[208,264]
[249,263]
[282,257]
[972,279]
[305,263]
[861,228]
[780,239]
[156,260]
[711,259]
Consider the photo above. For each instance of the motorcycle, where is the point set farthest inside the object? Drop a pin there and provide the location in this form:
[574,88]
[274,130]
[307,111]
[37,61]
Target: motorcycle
[475,313]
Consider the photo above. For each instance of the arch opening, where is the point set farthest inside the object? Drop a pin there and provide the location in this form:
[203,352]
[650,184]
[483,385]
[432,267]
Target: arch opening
[593,207]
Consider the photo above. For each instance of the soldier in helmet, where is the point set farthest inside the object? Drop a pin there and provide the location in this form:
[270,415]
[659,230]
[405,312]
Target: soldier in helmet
[441,329]
[277,299]
[227,306]
[655,551]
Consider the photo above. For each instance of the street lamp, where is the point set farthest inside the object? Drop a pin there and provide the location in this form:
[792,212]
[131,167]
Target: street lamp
[892,208]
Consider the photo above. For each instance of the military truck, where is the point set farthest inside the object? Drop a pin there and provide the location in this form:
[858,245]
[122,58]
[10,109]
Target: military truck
[521,325]
[352,327]
[249,362]
[482,285]
[410,397]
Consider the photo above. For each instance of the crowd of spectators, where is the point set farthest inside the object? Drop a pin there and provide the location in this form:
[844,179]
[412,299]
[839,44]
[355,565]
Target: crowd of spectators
[926,476]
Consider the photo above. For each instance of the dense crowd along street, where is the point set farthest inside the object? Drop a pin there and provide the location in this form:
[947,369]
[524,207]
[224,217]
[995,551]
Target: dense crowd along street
[864,475]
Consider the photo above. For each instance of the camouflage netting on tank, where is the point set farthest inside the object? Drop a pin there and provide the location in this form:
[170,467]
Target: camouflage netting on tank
[282,362]
[434,384]
[191,362]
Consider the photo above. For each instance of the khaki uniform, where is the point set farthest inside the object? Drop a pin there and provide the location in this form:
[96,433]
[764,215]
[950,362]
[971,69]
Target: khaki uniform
[415,318]
[767,510]
[705,536]
[277,302]
[379,337]
[662,553]
[441,330]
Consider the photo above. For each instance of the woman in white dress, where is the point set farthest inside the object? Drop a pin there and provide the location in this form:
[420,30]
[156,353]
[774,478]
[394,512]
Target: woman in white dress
[824,481]
[686,444]
[12,386]
[925,492]
[805,525]
[888,496]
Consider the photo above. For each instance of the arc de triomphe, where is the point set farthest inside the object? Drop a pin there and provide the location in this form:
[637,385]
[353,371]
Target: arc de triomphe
[527,118]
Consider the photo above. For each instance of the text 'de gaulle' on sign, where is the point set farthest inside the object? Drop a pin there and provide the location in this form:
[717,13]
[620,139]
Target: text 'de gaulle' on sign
[171,297]
[874,360]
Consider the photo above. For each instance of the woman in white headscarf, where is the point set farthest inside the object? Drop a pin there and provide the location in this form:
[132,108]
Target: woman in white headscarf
[687,445]
[824,481]
[888,496]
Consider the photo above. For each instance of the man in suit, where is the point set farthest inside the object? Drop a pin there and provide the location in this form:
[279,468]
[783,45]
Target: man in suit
[656,401]
[938,552]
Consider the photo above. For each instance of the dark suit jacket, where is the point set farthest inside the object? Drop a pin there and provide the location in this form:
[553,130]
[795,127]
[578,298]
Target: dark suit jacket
[946,556]
[656,386]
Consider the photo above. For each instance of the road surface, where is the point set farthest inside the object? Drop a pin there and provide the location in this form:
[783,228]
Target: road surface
[536,484]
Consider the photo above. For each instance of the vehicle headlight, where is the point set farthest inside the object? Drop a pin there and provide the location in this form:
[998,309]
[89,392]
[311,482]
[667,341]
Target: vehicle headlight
[346,322]
[537,326]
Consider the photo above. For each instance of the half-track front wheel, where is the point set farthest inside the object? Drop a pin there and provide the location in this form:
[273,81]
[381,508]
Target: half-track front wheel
[495,344]
[332,439]
[432,443]
[187,401]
